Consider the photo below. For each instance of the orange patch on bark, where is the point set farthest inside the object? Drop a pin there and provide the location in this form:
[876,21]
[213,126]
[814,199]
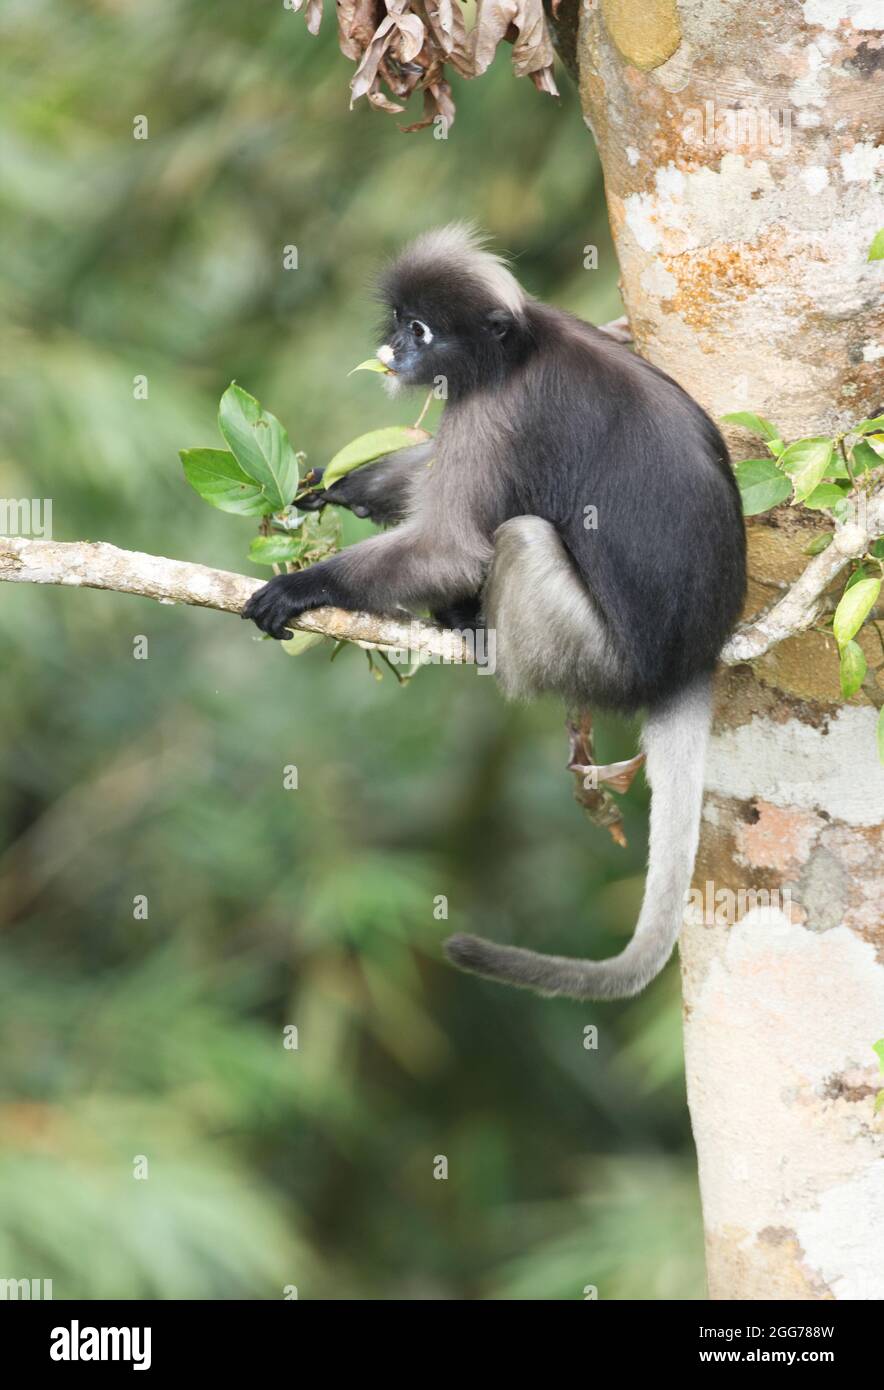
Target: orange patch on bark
[781,838]
[714,276]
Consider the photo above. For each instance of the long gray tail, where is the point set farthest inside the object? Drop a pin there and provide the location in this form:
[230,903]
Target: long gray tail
[675,737]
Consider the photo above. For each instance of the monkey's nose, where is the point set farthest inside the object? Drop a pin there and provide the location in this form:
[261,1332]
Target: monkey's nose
[385,354]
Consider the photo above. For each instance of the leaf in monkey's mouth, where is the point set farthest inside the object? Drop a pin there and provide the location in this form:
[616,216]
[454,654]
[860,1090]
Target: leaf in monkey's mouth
[373,364]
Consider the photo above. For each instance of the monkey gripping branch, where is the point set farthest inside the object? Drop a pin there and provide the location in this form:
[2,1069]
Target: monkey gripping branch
[260,475]
[221,479]
[98,565]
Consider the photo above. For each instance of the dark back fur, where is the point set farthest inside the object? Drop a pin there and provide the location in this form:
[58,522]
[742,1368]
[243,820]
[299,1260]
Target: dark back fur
[552,417]
[601,427]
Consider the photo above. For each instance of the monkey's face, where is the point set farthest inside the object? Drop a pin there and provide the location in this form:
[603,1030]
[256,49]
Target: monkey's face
[415,352]
[423,348]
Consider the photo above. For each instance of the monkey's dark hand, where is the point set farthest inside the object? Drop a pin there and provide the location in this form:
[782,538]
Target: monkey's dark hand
[316,499]
[339,493]
[284,599]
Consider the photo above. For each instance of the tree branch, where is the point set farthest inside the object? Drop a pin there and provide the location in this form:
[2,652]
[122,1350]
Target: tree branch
[802,604]
[97,565]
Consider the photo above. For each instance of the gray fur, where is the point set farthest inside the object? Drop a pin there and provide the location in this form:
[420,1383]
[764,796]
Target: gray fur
[675,742]
[550,634]
[546,415]
[443,548]
[384,490]
[462,245]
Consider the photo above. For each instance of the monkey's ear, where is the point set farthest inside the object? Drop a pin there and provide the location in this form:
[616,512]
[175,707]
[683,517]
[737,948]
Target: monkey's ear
[499,322]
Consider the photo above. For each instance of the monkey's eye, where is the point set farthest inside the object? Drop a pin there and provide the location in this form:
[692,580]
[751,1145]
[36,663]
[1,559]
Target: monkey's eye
[420,331]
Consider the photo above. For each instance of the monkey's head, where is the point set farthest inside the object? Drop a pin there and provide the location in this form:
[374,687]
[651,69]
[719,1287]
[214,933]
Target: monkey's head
[455,313]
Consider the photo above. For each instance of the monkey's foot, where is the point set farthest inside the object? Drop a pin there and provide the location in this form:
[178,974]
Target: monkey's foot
[591,778]
[618,776]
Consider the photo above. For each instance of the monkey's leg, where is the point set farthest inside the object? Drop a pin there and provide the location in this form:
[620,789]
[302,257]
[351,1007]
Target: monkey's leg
[581,759]
[463,617]
[550,634]
[378,490]
[591,779]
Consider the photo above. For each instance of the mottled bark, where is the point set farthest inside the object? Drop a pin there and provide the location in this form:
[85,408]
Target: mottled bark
[741,147]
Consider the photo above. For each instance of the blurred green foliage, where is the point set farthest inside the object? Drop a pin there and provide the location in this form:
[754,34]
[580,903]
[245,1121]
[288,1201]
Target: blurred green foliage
[164,777]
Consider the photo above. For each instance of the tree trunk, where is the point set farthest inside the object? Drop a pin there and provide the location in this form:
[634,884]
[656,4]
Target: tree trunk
[743,173]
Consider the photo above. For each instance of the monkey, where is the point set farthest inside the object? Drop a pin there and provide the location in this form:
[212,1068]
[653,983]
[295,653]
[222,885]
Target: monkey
[547,418]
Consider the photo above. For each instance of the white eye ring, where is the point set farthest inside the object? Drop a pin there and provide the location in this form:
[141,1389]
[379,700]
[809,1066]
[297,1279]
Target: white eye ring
[421,331]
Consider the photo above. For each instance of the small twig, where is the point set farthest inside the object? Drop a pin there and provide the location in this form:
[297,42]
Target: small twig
[425,408]
[801,605]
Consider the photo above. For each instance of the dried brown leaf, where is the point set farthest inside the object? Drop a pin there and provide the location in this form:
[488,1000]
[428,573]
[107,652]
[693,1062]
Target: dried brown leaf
[438,102]
[400,34]
[522,23]
[403,46]
[544,81]
[357,21]
[383,103]
[313,13]
[446,24]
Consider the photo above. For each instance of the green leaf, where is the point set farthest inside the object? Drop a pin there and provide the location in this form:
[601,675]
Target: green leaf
[864,458]
[806,461]
[881,734]
[818,545]
[858,574]
[823,496]
[274,550]
[368,447]
[301,642]
[260,445]
[854,607]
[761,485]
[853,668]
[218,478]
[876,250]
[877,549]
[371,364]
[878,1049]
[755,424]
[870,426]
[837,468]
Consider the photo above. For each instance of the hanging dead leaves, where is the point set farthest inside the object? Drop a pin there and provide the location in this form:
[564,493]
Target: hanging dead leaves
[405,46]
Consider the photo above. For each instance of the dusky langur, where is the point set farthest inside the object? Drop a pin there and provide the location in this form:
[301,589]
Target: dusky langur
[547,418]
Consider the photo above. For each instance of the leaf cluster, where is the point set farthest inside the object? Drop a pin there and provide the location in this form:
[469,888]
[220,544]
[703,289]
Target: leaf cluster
[405,46]
[824,475]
